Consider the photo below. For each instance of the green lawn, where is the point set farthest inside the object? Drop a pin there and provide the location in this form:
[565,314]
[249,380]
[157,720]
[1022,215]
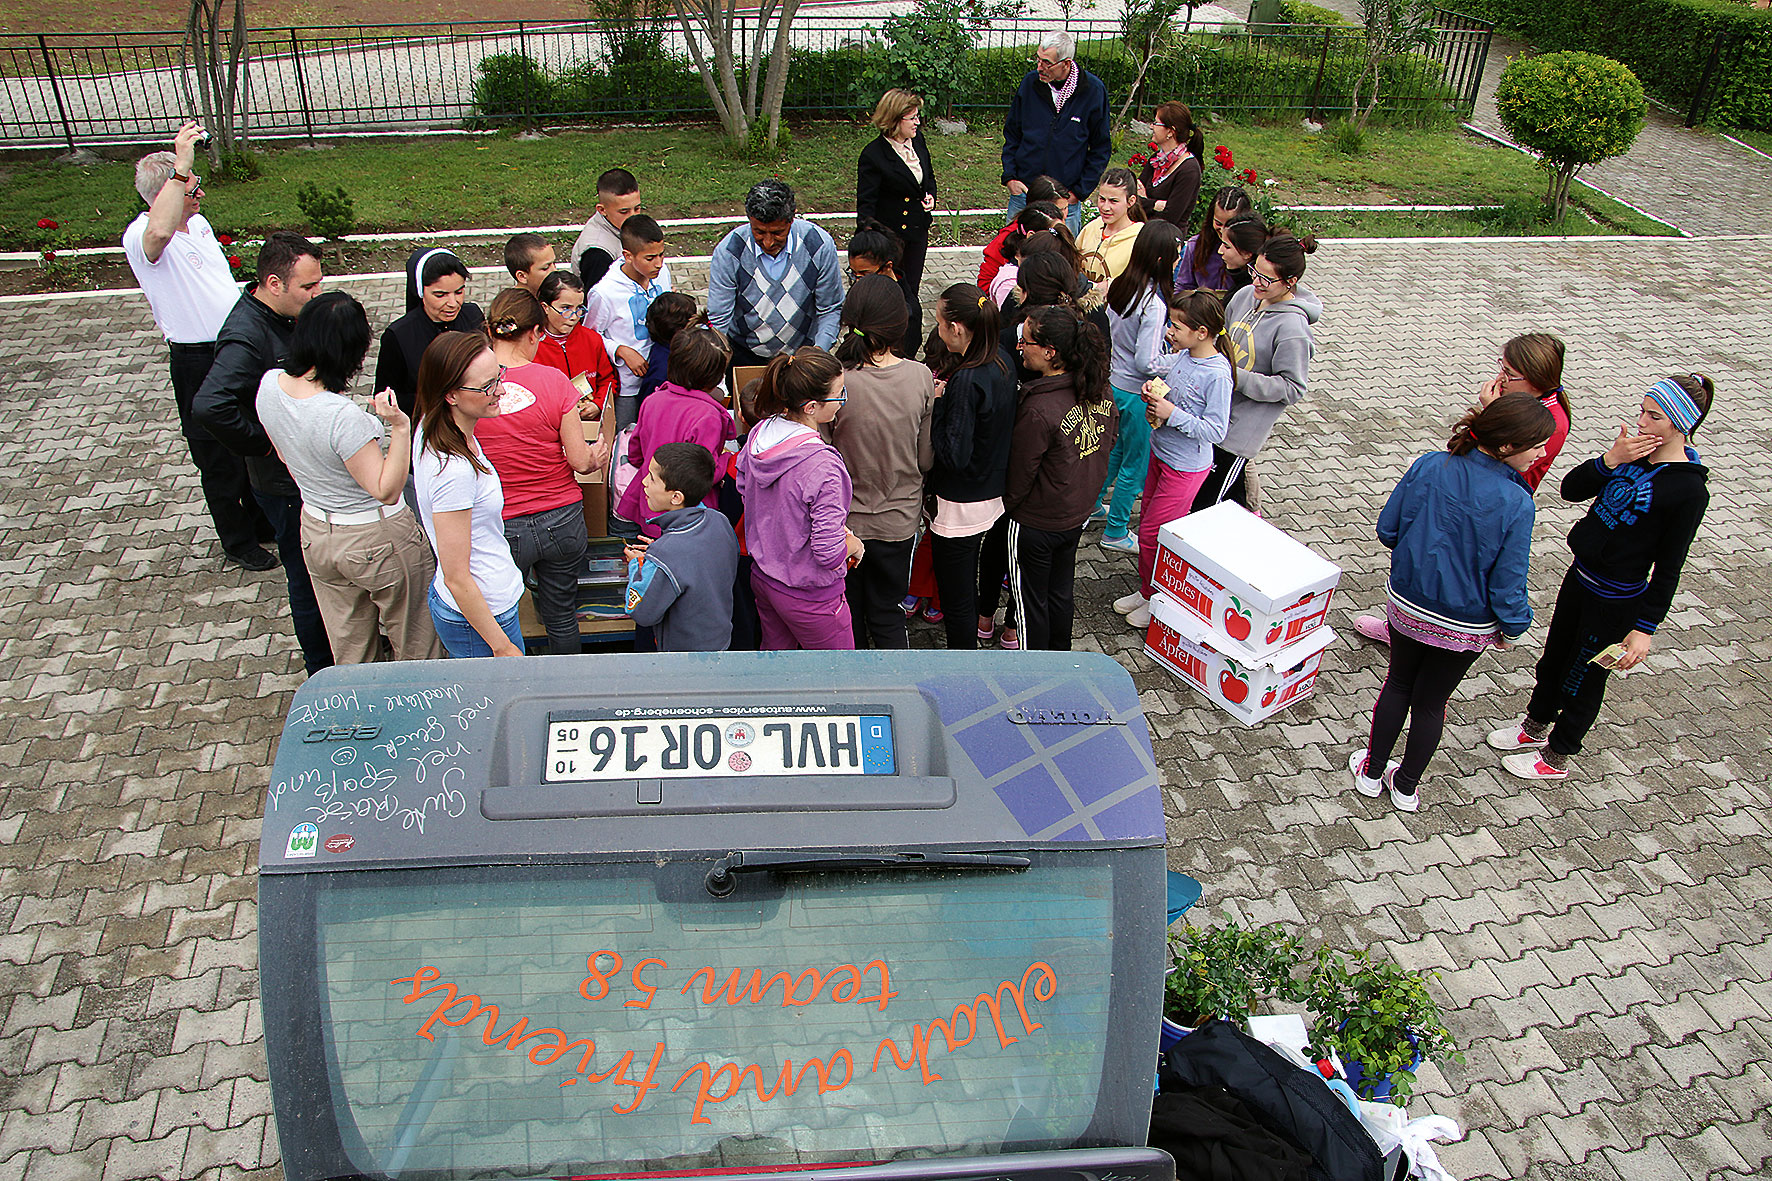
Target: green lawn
[442,183]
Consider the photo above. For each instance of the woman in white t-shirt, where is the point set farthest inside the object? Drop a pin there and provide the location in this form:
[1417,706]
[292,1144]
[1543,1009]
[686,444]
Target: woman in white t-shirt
[474,597]
[367,556]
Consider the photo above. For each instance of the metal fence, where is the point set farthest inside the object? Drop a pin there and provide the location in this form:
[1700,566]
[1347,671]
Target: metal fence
[87,89]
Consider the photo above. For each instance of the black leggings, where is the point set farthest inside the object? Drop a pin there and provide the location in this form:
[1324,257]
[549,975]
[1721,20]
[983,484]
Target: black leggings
[876,588]
[1223,482]
[955,563]
[1418,686]
[1570,687]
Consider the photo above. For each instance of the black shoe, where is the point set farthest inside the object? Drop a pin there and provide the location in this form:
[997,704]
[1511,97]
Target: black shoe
[252,558]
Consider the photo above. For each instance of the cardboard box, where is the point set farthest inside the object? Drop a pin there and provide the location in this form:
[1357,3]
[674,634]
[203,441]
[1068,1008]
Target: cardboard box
[1249,690]
[595,486]
[1257,588]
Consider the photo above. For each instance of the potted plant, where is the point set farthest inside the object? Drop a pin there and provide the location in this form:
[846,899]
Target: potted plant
[1380,1018]
[1226,971]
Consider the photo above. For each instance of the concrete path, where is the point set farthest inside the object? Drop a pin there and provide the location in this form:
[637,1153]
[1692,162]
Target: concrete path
[1602,942]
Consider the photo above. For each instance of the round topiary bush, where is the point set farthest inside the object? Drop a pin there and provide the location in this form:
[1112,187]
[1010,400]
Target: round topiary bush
[1573,109]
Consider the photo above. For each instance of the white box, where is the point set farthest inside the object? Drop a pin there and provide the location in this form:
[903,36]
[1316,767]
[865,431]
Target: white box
[1248,689]
[1246,580]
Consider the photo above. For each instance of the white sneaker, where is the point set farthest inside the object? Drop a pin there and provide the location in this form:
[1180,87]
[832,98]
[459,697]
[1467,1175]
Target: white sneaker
[1401,801]
[1529,764]
[1139,617]
[1120,545]
[1514,737]
[1356,764]
[1127,604]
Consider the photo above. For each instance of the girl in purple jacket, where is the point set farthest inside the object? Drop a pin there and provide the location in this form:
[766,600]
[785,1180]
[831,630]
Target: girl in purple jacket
[796,496]
[682,410]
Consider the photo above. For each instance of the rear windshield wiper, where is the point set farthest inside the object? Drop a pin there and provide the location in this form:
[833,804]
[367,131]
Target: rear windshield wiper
[722,879]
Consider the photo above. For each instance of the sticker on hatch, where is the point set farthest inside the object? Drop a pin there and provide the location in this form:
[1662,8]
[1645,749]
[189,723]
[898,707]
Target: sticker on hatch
[669,744]
[302,840]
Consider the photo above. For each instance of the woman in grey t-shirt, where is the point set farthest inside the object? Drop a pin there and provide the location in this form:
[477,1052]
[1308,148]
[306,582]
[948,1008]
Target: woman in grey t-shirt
[366,553]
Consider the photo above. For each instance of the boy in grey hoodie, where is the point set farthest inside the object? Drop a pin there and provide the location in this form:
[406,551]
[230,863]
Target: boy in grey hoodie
[1269,326]
[680,584]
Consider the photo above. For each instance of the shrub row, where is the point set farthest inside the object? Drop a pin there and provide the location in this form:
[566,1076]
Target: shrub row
[1272,75]
[1666,43]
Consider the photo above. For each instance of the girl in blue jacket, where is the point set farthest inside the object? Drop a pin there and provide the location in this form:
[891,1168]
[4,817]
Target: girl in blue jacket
[1459,528]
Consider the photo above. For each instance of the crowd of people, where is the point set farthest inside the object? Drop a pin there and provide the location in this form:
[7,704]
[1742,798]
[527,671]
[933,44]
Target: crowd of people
[789,474]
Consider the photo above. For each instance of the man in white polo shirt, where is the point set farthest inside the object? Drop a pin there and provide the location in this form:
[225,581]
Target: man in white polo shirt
[191,289]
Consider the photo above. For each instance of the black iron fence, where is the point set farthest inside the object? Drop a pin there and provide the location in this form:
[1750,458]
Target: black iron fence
[82,89]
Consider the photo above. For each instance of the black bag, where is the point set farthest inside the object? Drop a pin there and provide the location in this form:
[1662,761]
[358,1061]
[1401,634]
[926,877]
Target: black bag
[1213,1137]
[1286,1099]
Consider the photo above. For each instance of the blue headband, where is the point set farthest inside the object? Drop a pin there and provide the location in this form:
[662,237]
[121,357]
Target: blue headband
[1676,403]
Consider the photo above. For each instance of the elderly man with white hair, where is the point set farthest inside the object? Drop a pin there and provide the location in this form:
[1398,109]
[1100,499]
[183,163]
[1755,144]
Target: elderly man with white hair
[1058,126]
[181,268]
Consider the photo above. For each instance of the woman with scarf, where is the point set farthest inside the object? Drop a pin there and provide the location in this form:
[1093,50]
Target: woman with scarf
[1169,183]
[436,302]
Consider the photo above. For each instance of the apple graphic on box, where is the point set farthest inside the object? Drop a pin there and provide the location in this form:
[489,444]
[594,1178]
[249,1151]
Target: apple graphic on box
[1236,621]
[1267,698]
[1273,632]
[1234,687]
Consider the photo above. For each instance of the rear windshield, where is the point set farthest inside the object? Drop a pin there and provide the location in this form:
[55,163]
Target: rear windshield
[582,1019]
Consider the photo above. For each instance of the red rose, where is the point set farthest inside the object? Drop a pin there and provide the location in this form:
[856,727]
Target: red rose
[225,239]
[45,223]
[233,260]
[1249,175]
[49,256]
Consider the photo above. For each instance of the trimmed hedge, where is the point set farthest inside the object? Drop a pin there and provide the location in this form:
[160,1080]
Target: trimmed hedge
[1666,43]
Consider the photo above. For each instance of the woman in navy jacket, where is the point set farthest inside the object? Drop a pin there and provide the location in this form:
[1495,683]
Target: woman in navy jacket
[895,186]
[1459,528]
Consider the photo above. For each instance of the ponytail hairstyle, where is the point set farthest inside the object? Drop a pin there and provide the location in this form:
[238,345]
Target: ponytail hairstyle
[699,358]
[1510,424]
[976,313]
[1538,357]
[1046,279]
[1033,219]
[1287,254]
[514,311]
[1151,267]
[1199,308]
[1177,118]
[1248,235]
[1231,199]
[793,379]
[875,242]
[874,319]
[1058,240]
[1701,390]
[443,367]
[1041,189]
[1079,346]
[1122,178]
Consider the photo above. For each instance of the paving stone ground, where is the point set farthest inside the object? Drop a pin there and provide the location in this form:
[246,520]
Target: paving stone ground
[1602,943]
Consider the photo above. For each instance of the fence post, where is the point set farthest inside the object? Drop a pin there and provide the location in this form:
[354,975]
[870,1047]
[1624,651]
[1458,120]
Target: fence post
[1322,63]
[522,40]
[55,87]
[301,84]
[1704,81]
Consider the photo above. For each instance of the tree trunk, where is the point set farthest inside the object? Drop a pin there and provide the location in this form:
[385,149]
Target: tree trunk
[1147,54]
[713,23]
[775,87]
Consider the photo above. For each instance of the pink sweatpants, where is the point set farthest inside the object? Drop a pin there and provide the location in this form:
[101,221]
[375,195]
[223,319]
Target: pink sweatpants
[1168,494]
[789,622]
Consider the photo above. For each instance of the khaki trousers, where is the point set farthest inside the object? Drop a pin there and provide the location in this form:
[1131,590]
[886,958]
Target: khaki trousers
[372,579]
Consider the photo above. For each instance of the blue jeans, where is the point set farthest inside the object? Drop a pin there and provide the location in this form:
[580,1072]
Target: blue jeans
[1073,216]
[284,514]
[458,635]
[553,544]
[1126,463]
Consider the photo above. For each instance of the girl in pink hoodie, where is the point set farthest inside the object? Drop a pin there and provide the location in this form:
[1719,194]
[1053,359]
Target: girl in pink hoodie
[680,411]
[796,499]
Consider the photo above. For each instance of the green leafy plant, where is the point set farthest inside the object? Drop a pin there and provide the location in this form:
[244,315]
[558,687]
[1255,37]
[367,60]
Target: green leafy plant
[1226,971]
[1346,137]
[929,50]
[1393,28]
[1573,109]
[512,88]
[1224,171]
[331,215]
[53,246]
[1369,1010]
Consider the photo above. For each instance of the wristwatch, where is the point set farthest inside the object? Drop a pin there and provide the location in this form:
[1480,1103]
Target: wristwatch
[183,178]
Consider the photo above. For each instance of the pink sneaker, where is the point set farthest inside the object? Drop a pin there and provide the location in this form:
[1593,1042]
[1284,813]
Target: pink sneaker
[1373,627]
[1514,737]
[1530,764]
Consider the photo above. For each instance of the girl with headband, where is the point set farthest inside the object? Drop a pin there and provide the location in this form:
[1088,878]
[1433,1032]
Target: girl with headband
[1649,495]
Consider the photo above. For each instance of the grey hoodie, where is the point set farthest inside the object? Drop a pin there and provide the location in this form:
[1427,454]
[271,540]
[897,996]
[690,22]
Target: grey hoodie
[1273,348]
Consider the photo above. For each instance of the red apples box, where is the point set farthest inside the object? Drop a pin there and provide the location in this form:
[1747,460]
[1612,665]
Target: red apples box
[1252,585]
[1249,689]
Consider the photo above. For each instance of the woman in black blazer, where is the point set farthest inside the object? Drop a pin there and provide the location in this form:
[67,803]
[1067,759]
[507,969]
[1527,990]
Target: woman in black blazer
[895,186]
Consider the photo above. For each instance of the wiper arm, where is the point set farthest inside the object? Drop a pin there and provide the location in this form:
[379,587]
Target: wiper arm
[722,879]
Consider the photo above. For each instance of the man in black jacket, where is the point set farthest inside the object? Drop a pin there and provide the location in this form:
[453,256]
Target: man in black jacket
[253,341]
[1058,126]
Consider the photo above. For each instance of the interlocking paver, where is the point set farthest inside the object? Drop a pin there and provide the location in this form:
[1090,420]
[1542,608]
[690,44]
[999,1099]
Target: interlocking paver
[1602,944]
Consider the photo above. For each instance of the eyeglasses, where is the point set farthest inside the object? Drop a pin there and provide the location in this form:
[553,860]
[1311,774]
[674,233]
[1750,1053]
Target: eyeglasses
[572,313]
[1042,64]
[1260,280]
[196,185]
[489,386]
[1508,371]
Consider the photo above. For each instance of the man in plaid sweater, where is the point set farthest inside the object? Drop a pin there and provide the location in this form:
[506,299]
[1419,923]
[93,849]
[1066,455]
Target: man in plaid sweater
[776,284]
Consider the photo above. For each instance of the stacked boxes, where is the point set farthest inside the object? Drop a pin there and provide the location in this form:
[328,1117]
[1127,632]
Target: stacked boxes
[1239,610]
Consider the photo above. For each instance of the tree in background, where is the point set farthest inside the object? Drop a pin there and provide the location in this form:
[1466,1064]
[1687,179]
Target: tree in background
[929,50]
[1393,28]
[1573,109]
[1147,27]
[751,117]
[220,74]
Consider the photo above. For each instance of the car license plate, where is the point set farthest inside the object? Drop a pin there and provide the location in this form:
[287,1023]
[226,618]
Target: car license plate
[645,744]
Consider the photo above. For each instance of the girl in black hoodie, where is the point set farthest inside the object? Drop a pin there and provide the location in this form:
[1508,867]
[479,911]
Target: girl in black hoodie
[436,302]
[1649,497]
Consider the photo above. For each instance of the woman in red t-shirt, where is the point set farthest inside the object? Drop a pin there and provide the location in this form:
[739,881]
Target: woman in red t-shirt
[536,442]
[568,343]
